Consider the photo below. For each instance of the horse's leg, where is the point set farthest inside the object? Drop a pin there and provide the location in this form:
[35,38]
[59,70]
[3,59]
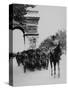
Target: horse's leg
[51,68]
[47,63]
[58,70]
[24,68]
[54,69]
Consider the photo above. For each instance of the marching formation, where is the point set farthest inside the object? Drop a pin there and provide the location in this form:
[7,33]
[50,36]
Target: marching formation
[37,59]
[32,59]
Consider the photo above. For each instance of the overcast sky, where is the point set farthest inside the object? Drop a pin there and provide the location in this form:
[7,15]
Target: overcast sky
[51,20]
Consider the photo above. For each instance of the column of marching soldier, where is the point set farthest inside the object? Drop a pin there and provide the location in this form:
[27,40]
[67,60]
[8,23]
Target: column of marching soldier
[37,59]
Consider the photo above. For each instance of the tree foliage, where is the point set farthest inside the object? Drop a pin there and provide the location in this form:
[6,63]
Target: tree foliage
[52,41]
[17,12]
[61,36]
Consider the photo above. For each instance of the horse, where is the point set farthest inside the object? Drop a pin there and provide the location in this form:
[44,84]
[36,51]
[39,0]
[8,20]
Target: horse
[55,59]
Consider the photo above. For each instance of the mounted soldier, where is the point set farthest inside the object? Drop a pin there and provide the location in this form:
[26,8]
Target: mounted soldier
[55,59]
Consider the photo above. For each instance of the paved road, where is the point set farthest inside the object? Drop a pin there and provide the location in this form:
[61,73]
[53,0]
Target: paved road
[38,77]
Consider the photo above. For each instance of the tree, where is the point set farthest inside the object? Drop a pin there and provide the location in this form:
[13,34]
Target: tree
[53,40]
[47,44]
[61,37]
[17,12]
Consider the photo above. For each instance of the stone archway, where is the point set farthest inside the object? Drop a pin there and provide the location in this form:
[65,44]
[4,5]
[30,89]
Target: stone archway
[18,41]
[21,29]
